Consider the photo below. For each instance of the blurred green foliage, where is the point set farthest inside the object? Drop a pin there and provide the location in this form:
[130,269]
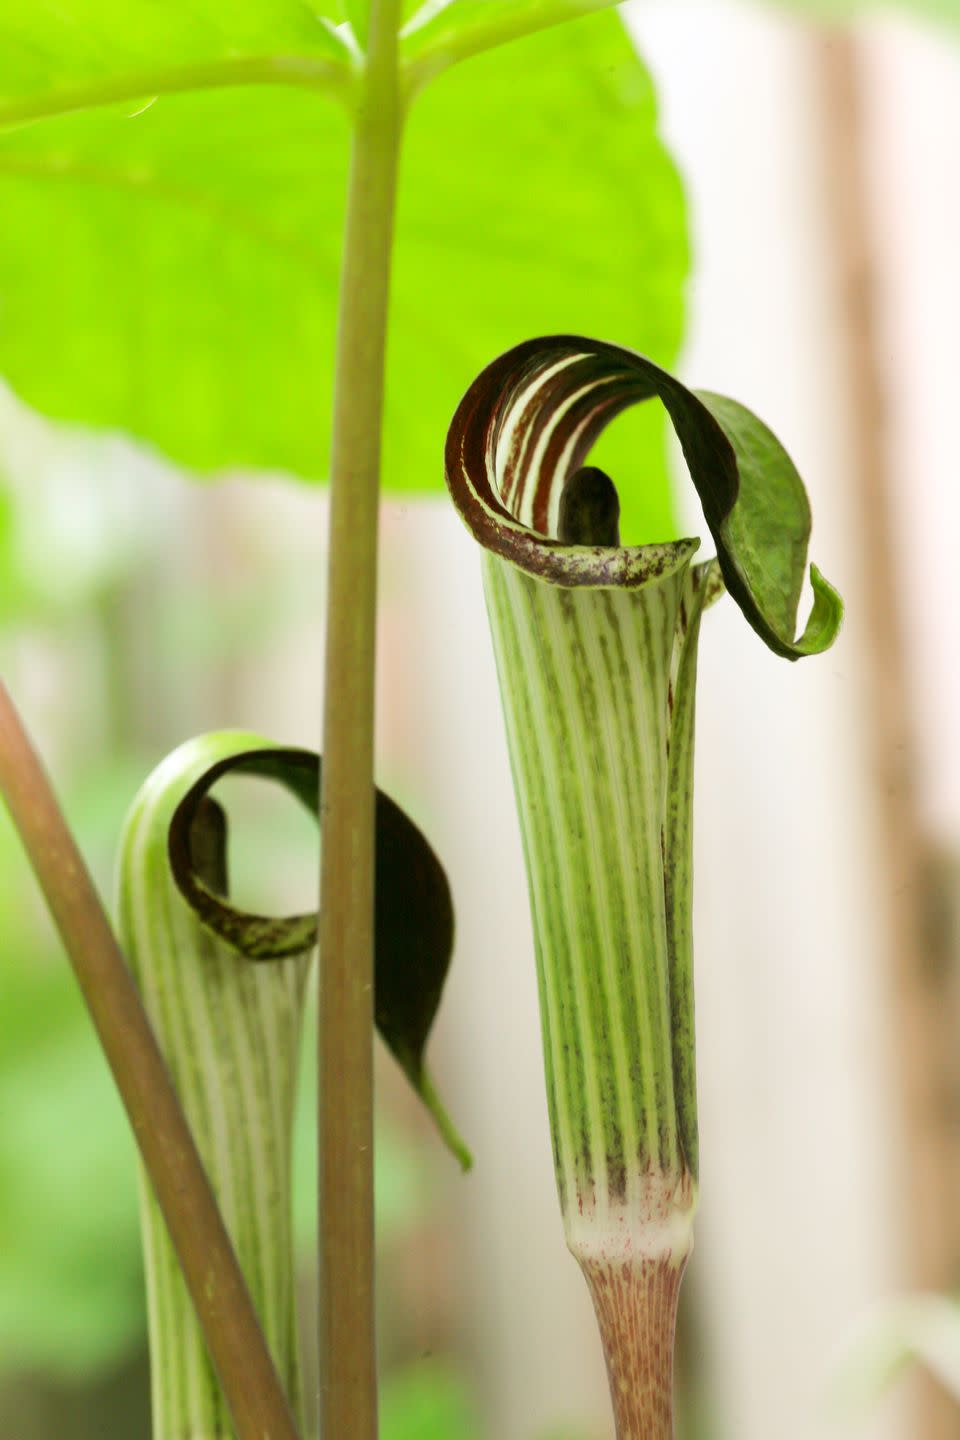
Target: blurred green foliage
[71,1299]
[897,1335]
[948,10]
[67,1175]
[429,1402]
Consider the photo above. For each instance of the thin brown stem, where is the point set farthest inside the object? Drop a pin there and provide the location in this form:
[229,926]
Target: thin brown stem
[636,1303]
[348,1394]
[230,1326]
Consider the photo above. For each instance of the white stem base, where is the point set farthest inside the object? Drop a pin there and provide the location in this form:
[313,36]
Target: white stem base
[633,1261]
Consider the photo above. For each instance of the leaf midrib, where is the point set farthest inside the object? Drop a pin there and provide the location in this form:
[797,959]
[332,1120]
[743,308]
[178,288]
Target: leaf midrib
[298,71]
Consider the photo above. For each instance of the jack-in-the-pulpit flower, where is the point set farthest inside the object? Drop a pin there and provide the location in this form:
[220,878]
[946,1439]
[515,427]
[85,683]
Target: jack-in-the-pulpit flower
[224,990]
[596,648]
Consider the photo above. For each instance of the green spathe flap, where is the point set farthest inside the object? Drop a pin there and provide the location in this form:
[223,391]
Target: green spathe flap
[528,423]
[762,538]
[414,911]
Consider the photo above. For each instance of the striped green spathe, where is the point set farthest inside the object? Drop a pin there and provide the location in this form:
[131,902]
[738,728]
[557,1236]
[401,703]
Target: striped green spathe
[230,1032]
[598,695]
[596,646]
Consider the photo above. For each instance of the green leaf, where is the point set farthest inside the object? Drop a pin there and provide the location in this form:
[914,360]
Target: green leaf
[565,390]
[175,274]
[99,46]
[185,287]
[357,15]
[414,911]
[552,204]
[442,32]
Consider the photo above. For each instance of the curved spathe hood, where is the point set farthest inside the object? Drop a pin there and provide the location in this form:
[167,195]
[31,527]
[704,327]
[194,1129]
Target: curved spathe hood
[528,422]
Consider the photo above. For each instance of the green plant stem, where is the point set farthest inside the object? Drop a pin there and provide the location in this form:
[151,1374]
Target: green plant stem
[348,1394]
[230,1326]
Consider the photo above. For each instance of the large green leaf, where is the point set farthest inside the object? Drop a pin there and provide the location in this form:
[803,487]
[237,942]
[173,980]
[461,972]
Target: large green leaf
[561,207]
[357,15]
[92,44]
[174,274]
[441,32]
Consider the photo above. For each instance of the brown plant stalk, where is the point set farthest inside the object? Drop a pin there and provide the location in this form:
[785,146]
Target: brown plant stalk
[232,1331]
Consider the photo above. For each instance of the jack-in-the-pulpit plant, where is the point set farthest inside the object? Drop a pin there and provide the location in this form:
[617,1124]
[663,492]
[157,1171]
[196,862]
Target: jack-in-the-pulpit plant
[230,1033]
[596,648]
[224,990]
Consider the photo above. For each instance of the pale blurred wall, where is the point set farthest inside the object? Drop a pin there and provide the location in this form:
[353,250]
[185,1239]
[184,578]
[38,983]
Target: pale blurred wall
[797,1229]
[800,1228]
[914,109]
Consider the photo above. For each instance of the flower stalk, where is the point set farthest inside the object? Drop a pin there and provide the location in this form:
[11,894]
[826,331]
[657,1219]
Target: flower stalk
[227,1317]
[596,650]
[346,1320]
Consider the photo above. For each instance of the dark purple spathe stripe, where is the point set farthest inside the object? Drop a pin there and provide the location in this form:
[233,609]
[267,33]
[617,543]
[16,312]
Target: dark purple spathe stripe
[510,392]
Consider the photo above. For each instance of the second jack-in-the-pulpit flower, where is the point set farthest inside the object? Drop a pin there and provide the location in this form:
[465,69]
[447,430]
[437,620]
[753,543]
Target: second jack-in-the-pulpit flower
[224,990]
[596,648]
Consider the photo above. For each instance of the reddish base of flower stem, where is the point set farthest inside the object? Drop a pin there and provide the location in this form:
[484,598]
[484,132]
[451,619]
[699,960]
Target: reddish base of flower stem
[636,1304]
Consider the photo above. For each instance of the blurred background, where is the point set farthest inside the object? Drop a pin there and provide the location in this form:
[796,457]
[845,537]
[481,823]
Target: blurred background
[820,166]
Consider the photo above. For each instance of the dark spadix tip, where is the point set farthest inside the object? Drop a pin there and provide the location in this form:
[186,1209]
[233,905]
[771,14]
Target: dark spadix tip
[589,509]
